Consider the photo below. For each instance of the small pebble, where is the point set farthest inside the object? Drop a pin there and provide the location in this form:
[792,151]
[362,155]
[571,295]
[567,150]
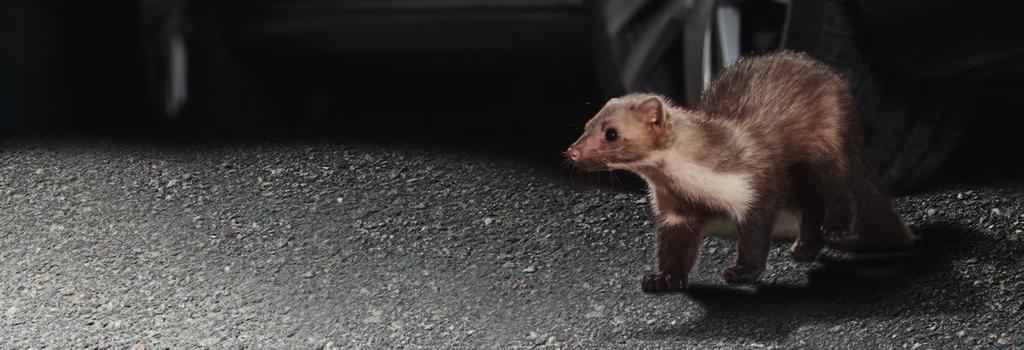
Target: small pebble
[530,269]
[539,341]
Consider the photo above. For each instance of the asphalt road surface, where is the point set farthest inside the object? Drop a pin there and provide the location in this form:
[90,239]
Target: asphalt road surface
[366,243]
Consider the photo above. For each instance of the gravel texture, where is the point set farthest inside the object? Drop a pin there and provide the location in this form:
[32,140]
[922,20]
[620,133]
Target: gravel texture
[349,243]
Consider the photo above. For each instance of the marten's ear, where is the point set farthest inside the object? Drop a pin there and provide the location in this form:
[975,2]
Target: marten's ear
[652,112]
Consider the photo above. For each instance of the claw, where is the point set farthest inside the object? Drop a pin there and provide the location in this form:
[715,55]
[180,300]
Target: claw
[661,282]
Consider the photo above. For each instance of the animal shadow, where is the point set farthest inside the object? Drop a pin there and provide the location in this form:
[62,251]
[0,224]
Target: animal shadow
[842,289]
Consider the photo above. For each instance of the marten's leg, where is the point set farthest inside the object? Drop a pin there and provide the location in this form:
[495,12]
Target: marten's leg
[677,250]
[829,177]
[805,198]
[754,240]
[810,241]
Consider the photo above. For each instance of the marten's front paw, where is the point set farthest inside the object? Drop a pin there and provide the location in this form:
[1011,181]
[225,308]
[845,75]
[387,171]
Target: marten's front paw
[662,282]
[740,274]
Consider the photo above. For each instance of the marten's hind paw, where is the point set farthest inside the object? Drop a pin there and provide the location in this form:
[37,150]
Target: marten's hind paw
[836,228]
[838,223]
[839,238]
[804,252]
[662,282]
[740,274]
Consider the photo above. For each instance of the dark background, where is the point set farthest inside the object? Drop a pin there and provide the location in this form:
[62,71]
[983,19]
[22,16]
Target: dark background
[77,68]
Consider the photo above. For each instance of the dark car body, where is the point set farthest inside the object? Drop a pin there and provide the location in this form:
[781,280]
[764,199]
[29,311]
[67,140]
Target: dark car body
[71,46]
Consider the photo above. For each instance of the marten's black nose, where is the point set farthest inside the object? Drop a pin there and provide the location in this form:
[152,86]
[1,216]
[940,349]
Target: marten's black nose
[573,154]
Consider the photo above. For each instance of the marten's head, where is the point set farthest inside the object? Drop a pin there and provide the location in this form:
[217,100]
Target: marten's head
[622,134]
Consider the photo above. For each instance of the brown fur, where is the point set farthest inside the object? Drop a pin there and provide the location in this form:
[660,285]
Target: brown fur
[770,132]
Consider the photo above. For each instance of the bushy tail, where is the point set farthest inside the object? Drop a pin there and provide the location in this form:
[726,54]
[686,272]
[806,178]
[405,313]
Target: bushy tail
[877,224]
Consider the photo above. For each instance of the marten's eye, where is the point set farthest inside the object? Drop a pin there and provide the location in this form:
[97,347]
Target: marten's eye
[611,135]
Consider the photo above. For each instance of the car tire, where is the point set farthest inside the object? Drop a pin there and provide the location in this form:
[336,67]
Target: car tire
[910,123]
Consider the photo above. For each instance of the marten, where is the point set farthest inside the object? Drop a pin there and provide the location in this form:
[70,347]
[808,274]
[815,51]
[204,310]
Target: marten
[771,134]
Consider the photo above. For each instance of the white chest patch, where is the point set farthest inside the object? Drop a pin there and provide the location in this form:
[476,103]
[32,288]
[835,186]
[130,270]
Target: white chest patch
[730,192]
